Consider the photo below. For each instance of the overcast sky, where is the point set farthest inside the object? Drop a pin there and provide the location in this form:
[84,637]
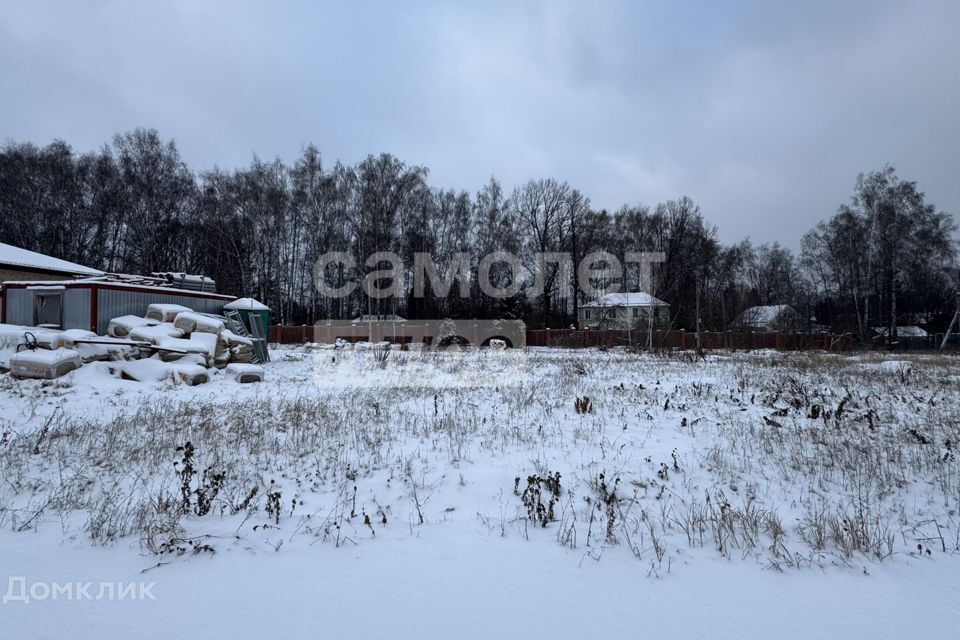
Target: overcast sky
[763,113]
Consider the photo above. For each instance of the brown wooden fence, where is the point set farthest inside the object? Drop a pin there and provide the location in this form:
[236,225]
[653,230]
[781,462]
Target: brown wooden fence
[686,340]
[661,339]
[290,335]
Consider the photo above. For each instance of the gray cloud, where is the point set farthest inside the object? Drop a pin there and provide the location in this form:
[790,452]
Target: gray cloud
[764,113]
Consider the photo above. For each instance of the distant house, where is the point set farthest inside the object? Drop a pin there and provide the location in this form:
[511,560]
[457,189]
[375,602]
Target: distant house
[624,311]
[907,331]
[23,266]
[772,317]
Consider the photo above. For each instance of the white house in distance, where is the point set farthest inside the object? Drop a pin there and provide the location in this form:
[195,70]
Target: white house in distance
[624,311]
[911,331]
[771,317]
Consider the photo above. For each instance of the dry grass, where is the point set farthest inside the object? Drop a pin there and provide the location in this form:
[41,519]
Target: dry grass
[798,460]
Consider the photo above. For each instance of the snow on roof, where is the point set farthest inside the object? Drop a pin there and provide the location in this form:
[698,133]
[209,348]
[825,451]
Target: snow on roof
[247,303]
[109,282]
[763,314]
[908,331]
[186,277]
[632,299]
[17,257]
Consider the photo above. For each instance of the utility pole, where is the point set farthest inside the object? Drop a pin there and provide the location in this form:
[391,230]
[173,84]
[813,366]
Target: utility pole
[956,316]
[699,343]
[651,315]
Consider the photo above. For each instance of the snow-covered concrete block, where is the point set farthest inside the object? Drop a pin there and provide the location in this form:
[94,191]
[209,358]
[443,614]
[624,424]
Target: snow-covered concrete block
[122,326]
[176,348]
[165,312]
[153,334]
[44,364]
[245,372]
[154,370]
[189,322]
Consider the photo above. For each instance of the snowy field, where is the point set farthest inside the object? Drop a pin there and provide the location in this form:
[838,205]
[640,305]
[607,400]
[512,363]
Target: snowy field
[484,494]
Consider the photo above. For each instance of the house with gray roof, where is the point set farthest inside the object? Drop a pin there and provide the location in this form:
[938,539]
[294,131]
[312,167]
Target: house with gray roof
[632,310]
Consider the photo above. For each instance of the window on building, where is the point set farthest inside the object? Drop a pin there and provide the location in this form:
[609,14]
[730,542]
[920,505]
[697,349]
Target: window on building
[48,310]
[636,312]
[586,314]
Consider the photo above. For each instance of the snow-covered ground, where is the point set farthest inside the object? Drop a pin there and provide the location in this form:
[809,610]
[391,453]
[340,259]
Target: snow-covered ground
[416,495]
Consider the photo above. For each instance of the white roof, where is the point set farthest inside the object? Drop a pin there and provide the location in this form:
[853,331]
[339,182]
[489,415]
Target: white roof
[247,303]
[17,257]
[764,314]
[908,331]
[633,299]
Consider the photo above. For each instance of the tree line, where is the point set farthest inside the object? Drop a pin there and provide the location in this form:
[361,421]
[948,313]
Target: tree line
[885,257]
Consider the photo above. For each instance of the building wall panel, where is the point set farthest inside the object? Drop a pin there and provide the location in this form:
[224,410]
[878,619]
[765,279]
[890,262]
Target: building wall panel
[20,307]
[112,303]
[76,309]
